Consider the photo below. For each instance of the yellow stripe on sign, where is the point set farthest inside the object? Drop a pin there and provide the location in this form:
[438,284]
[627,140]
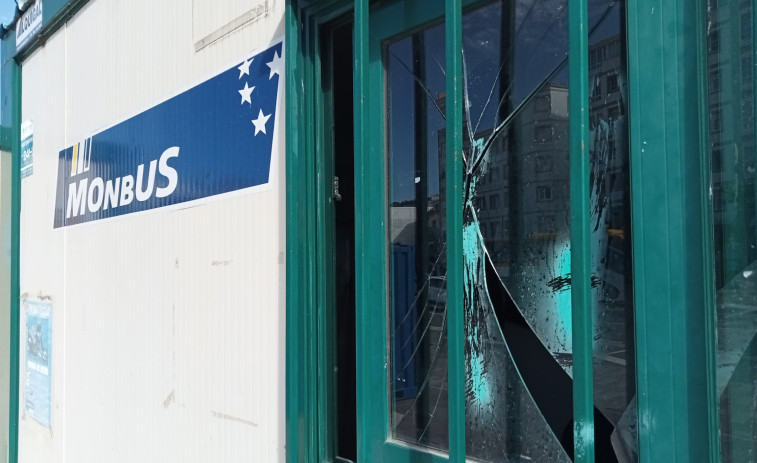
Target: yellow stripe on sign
[73,162]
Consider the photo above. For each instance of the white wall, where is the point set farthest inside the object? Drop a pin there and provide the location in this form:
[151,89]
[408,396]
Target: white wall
[168,326]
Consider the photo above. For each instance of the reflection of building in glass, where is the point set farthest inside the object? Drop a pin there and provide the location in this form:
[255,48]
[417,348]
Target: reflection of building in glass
[731,99]
[731,103]
[522,203]
[609,174]
[522,198]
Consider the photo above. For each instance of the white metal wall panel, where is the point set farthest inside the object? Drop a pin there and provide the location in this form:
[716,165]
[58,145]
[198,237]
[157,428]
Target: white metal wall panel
[42,273]
[168,326]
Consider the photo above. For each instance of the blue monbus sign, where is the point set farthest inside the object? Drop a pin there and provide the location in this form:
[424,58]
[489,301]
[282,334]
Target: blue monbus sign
[212,139]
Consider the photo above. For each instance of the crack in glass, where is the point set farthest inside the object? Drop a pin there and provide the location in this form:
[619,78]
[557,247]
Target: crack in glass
[516,231]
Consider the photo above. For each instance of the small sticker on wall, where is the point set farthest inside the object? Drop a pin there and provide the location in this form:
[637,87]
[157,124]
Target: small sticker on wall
[38,395]
[27,149]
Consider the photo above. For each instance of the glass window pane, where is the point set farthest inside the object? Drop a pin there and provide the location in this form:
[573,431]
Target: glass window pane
[417,239]
[731,103]
[518,294]
[516,234]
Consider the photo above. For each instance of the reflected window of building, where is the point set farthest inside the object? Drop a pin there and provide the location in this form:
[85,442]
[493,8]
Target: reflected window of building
[715,121]
[746,26]
[493,202]
[714,81]
[544,193]
[596,90]
[542,103]
[494,176]
[542,133]
[543,162]
[713,41]
[613,113]
[612,83]
[746,69]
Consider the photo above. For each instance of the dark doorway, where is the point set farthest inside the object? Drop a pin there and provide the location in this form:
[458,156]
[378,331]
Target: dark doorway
[337,76]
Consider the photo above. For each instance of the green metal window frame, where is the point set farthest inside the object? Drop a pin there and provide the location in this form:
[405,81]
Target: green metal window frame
[674,287]
[10,143]
[677,402]
[674,308]
[674,296]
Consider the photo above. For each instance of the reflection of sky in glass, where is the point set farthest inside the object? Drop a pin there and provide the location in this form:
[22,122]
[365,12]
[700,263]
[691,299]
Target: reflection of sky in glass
[540,31]
[403,186]
[7,10]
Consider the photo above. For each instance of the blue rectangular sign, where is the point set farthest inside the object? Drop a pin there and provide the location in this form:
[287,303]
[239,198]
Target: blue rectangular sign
[212,139]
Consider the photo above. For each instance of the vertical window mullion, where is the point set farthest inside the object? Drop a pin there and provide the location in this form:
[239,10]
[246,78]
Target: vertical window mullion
[454,159]
[580,234]
[371,413]
[669,186]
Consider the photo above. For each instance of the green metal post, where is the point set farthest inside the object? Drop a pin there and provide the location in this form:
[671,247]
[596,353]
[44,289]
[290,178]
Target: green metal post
[454,140]
[293,347]
[580,234]
[369,277]
[11,141]
[671,251]
[301,403]
[10,117]
[711,400]
[15,337]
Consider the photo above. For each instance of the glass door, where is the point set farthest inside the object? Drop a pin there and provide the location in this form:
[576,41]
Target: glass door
[516,236]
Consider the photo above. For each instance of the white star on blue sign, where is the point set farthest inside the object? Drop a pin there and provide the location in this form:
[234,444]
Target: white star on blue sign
[260,122]
[276,65]
[246,92]
[256,75]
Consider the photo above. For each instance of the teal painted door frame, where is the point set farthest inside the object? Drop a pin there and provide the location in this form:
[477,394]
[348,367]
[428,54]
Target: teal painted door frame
[672,223]
[673,282]
[10,116]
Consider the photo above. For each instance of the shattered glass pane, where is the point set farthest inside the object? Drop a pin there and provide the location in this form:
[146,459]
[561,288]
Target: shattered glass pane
[516,234]
[417,237]
[730,52]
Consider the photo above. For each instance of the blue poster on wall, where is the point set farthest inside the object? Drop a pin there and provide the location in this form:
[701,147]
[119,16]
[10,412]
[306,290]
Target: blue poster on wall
[37,393]
[214,138]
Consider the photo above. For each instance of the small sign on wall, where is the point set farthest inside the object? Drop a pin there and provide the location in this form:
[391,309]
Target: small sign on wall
[27,149]
[37,393]
[29,25]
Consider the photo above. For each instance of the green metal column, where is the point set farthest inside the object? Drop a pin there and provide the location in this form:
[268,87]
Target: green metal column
[580,234]
[15,295]
[294,350]
[454,140]
[302,435]
[10,117]
[672,254]
[370,260]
